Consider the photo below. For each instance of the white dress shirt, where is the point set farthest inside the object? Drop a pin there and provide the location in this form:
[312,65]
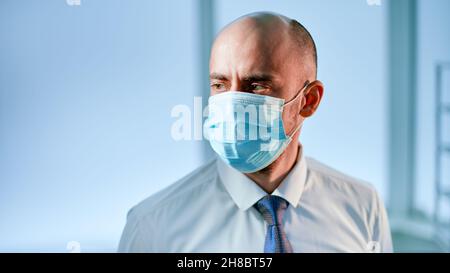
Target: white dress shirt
[211,210]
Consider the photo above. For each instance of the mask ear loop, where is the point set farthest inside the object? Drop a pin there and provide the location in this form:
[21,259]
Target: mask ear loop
[296,129]
[298,94]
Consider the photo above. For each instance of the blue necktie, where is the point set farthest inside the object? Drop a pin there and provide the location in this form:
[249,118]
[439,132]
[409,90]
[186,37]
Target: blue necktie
[272,209]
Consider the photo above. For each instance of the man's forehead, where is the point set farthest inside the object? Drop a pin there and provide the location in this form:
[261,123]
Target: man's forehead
[244,58]
[249,58]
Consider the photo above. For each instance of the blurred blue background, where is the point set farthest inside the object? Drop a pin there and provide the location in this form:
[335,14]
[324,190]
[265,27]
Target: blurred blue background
[86,94]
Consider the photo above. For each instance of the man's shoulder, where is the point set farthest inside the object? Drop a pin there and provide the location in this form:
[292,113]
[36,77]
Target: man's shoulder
[348,202]
[328,178]
[179,190]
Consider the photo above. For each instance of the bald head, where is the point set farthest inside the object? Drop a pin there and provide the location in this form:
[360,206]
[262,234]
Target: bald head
[304,41]
[269,33]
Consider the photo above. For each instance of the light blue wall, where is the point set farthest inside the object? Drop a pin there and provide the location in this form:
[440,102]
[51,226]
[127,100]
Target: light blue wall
[85,100]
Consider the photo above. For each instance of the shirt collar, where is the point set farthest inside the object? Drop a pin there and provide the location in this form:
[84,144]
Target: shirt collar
[245,192]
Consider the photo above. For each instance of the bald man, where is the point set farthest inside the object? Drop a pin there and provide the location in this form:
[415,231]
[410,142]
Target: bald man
[261,194]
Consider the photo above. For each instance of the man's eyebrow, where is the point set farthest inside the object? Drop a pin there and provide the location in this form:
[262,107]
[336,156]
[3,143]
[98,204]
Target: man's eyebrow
[251,77]
[258,78]
[217,76]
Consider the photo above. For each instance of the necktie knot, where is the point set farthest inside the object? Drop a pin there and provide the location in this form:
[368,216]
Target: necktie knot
[272,208]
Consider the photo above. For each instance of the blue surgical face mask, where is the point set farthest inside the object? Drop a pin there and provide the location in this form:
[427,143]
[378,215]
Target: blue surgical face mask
[246,130]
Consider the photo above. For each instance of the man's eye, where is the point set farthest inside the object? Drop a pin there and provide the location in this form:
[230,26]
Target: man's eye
[258,87]
[217,86]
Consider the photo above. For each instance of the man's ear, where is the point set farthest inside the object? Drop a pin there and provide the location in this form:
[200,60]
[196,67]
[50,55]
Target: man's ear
[311,100]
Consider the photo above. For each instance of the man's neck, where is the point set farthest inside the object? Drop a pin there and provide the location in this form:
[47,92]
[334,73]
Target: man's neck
[271,177]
